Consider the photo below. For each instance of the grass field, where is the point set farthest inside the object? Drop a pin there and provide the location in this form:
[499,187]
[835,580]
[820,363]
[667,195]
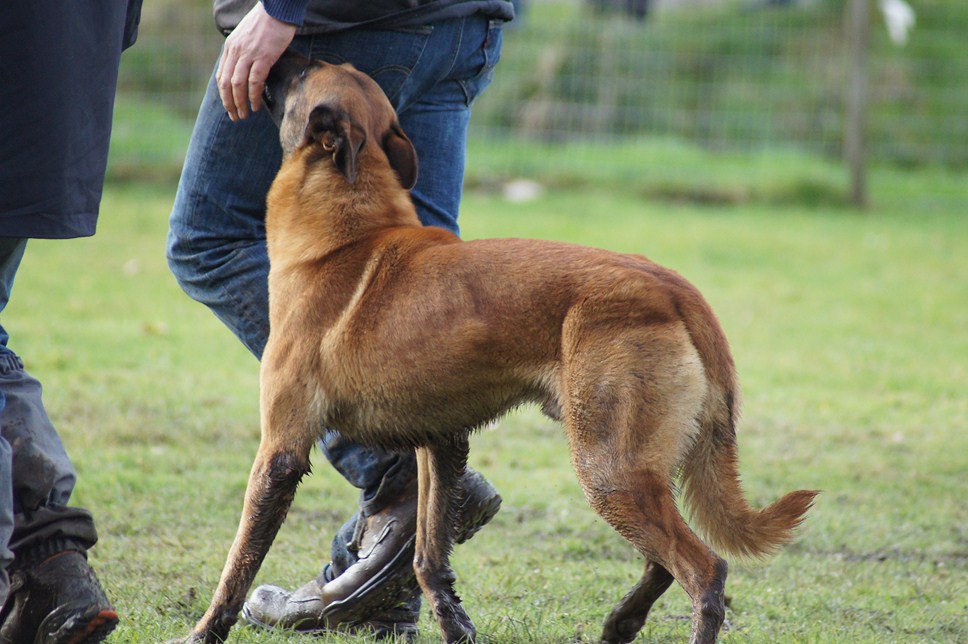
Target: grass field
[850,332]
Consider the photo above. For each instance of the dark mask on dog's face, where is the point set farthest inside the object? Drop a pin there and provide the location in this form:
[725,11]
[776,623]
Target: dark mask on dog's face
[282,76]
[337,110]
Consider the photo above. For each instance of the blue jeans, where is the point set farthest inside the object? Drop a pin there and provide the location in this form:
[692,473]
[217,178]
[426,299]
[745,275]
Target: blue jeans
[36,475]
[216,242]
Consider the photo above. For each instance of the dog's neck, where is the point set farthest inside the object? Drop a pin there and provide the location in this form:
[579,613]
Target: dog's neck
[313,210]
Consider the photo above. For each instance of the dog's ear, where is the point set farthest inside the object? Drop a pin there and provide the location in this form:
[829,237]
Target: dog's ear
[402,155]
[333,130]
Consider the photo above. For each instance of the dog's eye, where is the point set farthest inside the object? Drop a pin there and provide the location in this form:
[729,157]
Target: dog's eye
[303,73]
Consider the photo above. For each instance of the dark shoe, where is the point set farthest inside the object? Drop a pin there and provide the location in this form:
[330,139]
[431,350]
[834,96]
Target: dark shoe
[382,578]
[60,601]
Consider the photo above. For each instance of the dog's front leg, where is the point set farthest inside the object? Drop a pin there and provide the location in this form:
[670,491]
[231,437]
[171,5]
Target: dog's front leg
[439,468]
[272,486]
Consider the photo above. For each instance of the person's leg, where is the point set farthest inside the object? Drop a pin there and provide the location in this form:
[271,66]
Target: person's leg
[49,540]
[11,252]
[6,513]
[431,75]
[216,240]
[43,477]
[434,109]
[217,252]
[217,247]
[216,243]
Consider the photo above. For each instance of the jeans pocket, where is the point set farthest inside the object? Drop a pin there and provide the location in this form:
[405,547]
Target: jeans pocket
[488,55]
[387,56]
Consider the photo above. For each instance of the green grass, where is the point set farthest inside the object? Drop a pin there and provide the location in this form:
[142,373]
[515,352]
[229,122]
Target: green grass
[851,336]
[673,170]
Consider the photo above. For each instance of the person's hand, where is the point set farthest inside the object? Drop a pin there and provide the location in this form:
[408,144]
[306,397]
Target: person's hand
[249,52]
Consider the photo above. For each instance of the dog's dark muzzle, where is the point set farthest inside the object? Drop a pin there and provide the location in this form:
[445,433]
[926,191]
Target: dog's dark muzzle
[280,80]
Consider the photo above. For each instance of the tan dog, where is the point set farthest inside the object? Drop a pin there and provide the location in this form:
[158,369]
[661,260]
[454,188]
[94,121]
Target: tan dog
[407,337]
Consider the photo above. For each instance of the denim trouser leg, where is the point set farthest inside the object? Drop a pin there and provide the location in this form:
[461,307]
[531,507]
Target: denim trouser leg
[36,476]
[216,243]
[6,513]
[11,252]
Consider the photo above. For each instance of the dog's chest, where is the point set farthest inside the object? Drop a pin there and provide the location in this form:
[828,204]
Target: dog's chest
[402,408]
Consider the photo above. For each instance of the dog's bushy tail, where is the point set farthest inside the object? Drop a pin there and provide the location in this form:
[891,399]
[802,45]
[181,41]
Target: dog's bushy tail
[714,494]
[710,472]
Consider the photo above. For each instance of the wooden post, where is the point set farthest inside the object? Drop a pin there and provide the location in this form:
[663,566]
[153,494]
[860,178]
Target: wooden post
[855,124]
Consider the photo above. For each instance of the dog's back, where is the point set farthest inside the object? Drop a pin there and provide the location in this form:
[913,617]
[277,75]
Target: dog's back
[430,335]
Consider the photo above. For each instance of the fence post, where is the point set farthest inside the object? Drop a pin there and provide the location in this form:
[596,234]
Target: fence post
[855,124]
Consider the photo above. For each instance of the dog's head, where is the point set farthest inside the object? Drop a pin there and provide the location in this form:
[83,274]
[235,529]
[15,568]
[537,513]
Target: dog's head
[337,112]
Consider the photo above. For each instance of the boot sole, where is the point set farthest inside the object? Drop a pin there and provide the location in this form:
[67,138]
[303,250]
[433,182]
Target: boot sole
[83,630]
[472,524]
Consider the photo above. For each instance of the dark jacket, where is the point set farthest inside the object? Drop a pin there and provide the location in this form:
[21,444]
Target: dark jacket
[58,76]
[322,16]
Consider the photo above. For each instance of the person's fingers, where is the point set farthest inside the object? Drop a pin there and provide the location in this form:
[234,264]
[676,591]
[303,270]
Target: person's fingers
[218,68]
[257,83]
[240,88]
[223,78]
[248,55]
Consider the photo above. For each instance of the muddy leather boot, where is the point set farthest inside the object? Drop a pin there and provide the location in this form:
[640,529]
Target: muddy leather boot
[379,591]
[58,601]
[304,610]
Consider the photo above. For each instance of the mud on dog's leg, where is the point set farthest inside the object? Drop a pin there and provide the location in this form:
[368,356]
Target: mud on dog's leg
[439,468]
[271,488]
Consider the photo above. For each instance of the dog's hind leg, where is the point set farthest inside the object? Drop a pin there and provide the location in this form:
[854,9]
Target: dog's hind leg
[641,507]
[630,413]
[439,468]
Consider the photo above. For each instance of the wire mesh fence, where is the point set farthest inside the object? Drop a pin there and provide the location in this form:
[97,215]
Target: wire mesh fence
[649,85]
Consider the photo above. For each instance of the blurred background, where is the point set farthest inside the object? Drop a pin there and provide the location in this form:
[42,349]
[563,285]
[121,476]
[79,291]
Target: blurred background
[812,101]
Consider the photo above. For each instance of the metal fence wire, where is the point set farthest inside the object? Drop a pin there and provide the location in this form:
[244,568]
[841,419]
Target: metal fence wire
[736,76]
